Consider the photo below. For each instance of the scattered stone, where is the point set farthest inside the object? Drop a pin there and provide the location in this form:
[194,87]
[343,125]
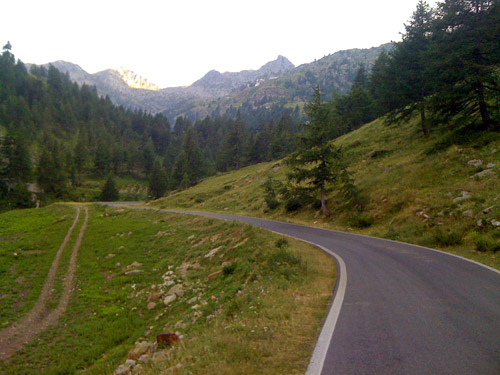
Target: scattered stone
[121,248]
[485,173]
[495,223]
[169,299]
[169,283]
[240,244]
[144,359]
[468,213]
[491,165]
[440,213]
[226,209]
[212,252]
[118,264]
[154,297]
[191,237]
[167,338]
[109,256]
[475,163]
[134,265]
[213,275]
[197,314]
[192,300]
[195,307]
[488,210]
[151,305]
[139,349]
[133,272]
[480,223]
[465,195]
[177,290]
[126,367]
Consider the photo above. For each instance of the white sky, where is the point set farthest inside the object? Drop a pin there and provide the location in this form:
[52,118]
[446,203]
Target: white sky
[173,43]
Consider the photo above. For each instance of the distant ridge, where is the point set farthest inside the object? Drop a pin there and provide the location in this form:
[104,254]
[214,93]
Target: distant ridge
[275,81]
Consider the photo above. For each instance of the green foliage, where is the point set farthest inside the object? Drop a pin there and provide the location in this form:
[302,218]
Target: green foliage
[109,191]
[270,188]
[158,180]
[448,238]
[320,163]
[485,242]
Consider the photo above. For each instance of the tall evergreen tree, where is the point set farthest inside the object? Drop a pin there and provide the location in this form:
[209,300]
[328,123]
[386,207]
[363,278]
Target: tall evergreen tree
[189,166]
[319,163]
[158,180]
[465,58]
[109,191]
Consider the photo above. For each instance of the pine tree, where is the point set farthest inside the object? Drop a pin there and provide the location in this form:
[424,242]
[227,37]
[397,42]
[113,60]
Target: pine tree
[233,151]
[465,58]
[319,164]
[158,180]
[109,191]
[190,161]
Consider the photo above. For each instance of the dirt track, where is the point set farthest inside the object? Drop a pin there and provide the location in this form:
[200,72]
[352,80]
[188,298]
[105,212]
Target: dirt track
[14,337]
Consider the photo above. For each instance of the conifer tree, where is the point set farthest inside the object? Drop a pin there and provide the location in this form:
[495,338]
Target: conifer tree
[109,191]
[158,180]
[465,58]
[319,164]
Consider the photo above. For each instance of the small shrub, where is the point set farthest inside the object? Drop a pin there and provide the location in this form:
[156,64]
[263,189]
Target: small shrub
[282,243]
[229,269]
[293,204]
[283,256]
[485,243]
[360,221]
[272,203]
[447,239]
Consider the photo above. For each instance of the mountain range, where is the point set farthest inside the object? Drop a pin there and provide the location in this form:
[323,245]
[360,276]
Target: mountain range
[277,81]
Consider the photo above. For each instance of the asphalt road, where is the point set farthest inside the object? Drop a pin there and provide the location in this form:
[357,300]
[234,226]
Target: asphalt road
[400,308]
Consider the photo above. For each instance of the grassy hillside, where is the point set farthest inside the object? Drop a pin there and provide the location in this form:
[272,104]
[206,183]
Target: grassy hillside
[256,303]
[411,184]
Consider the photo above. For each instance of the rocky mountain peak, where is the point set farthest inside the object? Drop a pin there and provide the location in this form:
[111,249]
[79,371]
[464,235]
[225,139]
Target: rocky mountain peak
[134,80]
[280,65]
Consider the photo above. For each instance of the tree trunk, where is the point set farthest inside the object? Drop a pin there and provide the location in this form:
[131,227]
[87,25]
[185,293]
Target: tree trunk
[323,201]
[483,108]
[423,119]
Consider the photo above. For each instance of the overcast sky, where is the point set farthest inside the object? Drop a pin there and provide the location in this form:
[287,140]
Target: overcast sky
[174,43]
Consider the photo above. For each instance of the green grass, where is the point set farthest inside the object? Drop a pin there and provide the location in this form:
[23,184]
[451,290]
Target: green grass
[29,240]
[263,311]
[409,183]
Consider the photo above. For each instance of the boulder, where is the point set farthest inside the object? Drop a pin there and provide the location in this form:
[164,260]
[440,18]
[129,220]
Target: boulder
[213,275]
[167,338]
[109,256]
[134,265]
[151,305]
[212,252]
[144,359]
[465,195]
[468,213]
[495,223]
[485,173]
[475,163]
[154,297]
[488,210]
[133,272]
[140,349]
[491,165]
[169,299]
[126,368]
[177,290]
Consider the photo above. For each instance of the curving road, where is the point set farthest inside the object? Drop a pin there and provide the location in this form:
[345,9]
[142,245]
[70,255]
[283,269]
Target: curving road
[400,308]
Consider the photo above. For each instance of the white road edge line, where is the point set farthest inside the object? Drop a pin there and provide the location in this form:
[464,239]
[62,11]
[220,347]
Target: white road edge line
[325,337]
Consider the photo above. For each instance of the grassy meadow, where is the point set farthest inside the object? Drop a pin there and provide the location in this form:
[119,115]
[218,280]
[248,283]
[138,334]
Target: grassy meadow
[259,312]
[410,184]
